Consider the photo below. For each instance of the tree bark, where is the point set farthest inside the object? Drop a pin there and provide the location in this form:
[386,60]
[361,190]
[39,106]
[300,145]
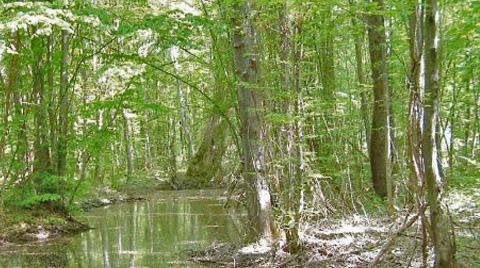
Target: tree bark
[128,147]
[291,52]
[187,140]
[379,155]
[359,39]
[64,103]
[42,163]
[443,242]
[414,131]
[250,103]
[9,88]
[206,162]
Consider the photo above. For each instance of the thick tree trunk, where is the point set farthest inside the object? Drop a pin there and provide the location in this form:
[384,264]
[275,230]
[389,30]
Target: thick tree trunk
[250,103]
[440,226]
[379,155]
[206,162]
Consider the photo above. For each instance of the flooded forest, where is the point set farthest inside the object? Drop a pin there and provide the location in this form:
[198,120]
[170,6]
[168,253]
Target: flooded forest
[238,133]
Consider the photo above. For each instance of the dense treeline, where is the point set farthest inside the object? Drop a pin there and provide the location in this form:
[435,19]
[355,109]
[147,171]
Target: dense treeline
[307,107]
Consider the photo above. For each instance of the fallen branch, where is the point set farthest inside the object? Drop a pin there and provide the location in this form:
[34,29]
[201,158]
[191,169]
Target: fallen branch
[391,241]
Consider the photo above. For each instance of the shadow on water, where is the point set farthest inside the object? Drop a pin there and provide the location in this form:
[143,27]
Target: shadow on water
[159,232]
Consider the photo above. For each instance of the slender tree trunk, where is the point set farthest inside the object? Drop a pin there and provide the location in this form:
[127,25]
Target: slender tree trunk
[415,31]
[22,142]
[52,95]
[379,155]
[441,227]
[9,88]
[148,149]
[359,41]
[327,70]
[187,144]
[290,57]
[414,130]
[171,152]
[42,163]
[468,112]
[476,125]
[250,103]
[64,103]
[128,147]
[328,64]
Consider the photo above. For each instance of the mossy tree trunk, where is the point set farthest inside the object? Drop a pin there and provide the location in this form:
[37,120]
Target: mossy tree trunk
[207,160]
[250,104]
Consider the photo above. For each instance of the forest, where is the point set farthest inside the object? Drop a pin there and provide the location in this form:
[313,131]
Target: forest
[239,133]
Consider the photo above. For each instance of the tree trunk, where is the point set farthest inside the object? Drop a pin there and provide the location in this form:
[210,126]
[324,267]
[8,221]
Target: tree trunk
[379,155]
[328,63]
[171,152]
[359,41]
[290,57]
[206,162]
[64,102]
[148,157]
[187,140]
[128,147]
[441,227]
[42,163]
[9,88]
[414,131]
[250,103]
[52,95]
[327,70]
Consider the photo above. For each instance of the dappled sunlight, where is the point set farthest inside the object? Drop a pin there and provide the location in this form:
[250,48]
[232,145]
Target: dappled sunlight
[239,133]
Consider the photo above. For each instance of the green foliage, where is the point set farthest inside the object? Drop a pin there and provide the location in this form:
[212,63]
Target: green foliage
[54,220]
[51,191]
[35,200]
[465,181]
[374,203]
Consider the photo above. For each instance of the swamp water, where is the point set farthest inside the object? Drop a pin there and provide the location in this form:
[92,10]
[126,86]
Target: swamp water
[160,232]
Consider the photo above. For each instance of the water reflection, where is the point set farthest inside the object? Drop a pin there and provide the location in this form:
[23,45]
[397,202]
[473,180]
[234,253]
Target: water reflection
[155,233]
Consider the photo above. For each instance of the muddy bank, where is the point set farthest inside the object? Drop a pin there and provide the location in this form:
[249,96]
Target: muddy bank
[20,225]
[28,226]
[107,197]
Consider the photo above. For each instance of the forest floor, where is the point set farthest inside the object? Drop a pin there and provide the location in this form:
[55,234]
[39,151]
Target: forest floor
[354,240]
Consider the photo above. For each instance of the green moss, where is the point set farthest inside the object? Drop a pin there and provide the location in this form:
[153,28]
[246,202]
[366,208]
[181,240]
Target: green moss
[23,225]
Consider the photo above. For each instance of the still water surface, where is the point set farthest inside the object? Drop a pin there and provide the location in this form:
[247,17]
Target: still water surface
[159,232]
